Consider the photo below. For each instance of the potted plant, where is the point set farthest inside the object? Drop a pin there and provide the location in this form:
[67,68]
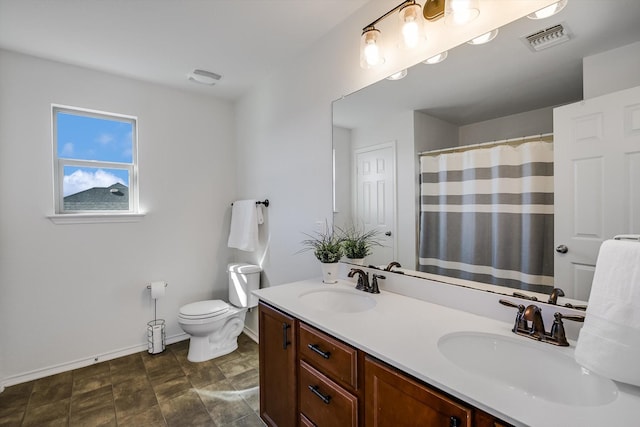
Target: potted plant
[327,247]
[357,243]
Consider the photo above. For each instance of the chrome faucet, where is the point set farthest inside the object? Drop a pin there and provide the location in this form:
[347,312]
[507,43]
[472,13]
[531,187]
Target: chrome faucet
[363,279]
[391,265]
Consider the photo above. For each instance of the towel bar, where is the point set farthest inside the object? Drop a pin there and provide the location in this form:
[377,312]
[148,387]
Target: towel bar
[265,203]
[635,237]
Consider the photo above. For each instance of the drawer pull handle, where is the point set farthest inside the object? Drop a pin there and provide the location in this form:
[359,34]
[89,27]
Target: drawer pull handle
[285,340]
[325,354]
[325,398]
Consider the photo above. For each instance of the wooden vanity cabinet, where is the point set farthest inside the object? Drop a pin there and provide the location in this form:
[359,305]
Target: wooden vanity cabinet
[278,367]
[309,378]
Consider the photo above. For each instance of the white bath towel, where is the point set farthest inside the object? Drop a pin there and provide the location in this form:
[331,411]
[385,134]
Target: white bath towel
[609,341]
[243,234]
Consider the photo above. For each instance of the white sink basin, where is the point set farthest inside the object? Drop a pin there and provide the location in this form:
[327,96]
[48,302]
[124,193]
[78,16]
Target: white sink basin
[535,369]
[338,300]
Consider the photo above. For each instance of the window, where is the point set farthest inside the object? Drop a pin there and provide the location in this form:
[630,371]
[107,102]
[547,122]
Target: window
[95,162]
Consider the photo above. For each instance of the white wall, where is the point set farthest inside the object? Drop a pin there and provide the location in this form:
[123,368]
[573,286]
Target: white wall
[529,123]
[72,292]
[611,71]
[82,281]
[342,176]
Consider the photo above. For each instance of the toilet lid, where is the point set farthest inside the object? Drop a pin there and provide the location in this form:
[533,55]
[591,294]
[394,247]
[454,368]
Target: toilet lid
[200,309]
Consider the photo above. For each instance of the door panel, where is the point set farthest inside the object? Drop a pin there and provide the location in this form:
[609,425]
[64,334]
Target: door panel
[597,182]
[375,198]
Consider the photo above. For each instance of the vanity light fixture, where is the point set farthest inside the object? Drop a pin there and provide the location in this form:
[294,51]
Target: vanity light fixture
[412,17]
[548,11]
[411,33]
[485,38]
[436,59]
[399,75]
[204,77]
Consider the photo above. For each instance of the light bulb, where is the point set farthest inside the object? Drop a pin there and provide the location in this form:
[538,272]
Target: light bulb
[370,52]
[411,25]
[460,12]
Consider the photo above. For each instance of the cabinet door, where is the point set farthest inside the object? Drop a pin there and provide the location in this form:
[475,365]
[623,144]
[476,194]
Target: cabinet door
[278,374]
[394,399]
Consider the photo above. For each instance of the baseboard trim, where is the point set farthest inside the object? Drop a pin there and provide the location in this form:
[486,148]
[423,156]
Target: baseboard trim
[81,363]
[251,334]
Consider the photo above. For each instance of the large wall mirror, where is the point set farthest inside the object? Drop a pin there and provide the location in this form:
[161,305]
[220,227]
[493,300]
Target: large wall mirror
[498,91]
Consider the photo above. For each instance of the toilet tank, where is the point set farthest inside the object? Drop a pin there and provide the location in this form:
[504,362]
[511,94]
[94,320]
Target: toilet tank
[243,278]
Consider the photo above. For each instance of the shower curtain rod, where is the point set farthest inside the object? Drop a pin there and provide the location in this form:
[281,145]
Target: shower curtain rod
[545,137]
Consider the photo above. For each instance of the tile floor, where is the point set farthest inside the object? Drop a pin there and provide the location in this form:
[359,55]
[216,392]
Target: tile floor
[143,390]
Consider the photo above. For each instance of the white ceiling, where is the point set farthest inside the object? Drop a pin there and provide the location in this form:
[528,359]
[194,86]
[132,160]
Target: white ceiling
[503,77]
[247,40]
[163,40]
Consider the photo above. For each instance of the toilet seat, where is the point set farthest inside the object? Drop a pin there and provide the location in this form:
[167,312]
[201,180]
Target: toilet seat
[204,309]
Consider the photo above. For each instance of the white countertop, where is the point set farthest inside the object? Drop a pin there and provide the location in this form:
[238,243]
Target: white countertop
[404,333]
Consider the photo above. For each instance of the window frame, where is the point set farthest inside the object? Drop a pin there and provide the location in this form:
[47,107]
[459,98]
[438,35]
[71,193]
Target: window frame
[59,163]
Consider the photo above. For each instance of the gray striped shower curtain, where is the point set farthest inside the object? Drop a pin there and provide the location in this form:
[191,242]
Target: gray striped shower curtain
[487,214]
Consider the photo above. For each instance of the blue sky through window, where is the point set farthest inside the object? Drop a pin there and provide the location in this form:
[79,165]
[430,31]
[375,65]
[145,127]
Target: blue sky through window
[91,138]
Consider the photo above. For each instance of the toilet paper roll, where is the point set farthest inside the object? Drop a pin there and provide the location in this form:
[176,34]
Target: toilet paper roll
[158,289]
[157,339]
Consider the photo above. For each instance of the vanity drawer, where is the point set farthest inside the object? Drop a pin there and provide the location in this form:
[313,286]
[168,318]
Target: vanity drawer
[334,358]
[323,402]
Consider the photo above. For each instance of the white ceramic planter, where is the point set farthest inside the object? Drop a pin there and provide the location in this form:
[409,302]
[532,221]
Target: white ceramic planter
[329,272]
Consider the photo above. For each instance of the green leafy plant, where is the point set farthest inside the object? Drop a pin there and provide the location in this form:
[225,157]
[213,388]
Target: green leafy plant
[357,243]
[326,246]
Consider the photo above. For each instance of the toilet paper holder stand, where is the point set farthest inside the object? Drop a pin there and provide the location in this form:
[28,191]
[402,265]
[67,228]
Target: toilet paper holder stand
[156,335]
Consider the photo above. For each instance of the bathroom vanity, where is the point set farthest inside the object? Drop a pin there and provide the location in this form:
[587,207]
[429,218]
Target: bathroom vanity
[336,382]
[331,355]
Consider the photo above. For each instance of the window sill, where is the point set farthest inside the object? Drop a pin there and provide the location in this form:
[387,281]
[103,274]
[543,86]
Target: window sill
[95,218]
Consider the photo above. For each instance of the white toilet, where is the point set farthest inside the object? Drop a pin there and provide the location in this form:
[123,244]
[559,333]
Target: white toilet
[214,325]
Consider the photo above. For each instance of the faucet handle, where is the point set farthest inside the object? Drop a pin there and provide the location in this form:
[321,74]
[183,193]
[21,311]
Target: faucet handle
[575,318]
[525,296]
[511,304]
[521,323]
[374,289]
[558,334]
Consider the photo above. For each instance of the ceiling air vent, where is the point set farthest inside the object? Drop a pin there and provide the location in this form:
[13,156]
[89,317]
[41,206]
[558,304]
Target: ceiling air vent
[550,37]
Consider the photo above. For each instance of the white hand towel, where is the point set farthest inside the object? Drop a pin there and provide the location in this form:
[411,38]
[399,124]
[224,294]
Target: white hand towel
[243,234]
[609,341]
